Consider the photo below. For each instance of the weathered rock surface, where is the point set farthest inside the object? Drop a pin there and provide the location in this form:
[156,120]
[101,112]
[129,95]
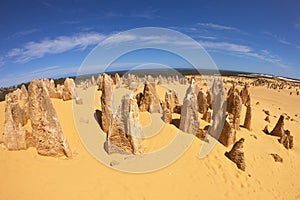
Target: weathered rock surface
[24,93]
[47,134]
[287,140]
[236,154]
[150,101]
[167,114]
[207,116]
[228,134]
[124,136]
[106,102]
[14,134]
[248,117]
[189,122]
[244,94]
[117,80]
[69,89]
[234,106]
[202,101]
[279,128]
[172,102]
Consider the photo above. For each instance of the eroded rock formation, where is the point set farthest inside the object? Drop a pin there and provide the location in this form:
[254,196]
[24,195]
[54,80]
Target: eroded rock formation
[69,89]
[228,134]
[236,154]
[149,100]
[106,102]
[279,128]
[189,122]
[47,134]
[202,101]
[248,117]
[234,106]
[287,140]
[124,136]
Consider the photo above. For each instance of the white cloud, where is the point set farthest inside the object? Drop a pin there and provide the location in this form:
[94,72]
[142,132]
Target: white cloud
[33,50]
[225,46]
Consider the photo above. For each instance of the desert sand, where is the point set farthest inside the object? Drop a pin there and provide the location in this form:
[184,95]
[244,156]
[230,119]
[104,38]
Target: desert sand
[27,175]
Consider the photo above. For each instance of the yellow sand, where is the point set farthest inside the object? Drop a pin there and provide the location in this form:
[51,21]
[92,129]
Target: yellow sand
[27,175]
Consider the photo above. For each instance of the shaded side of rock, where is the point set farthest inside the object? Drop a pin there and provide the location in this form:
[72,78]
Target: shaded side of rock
[287,140]
[276,157]
[248,117]
[279,128]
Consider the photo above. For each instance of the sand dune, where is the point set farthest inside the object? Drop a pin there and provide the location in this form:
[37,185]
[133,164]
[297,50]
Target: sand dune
[27,175]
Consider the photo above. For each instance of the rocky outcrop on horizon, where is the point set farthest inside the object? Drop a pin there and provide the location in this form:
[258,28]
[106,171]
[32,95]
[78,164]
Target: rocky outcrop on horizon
[236,154]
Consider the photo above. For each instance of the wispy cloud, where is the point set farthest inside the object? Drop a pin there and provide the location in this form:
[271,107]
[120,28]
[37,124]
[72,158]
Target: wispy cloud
[226,46]
[217,27]
[33,50]
[23,33]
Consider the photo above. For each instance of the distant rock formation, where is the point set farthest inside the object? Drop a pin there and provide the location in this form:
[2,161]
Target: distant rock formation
[287,140]
[69,89]
[244,94]
[279,128]
[236,154]
[117,80]
[189,122]
[106,102]
[202,101]
[228,134]
[149,100]
[47,134]
[125,135]
[234,106]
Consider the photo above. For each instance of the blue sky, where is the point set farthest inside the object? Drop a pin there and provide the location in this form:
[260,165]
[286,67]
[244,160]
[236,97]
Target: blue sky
[48,38]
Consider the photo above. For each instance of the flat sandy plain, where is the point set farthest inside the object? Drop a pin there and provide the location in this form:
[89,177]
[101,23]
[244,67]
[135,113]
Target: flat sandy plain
[27,175]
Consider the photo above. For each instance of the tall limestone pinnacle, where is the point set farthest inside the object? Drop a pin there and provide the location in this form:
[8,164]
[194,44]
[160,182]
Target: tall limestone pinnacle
[47,134]
[125,134]
[189,111]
